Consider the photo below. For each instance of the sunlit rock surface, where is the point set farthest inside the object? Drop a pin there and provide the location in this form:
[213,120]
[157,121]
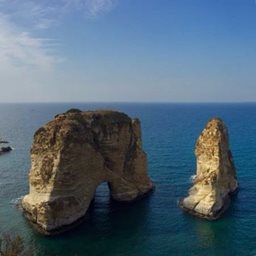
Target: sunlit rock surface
[75,153]
[215,175]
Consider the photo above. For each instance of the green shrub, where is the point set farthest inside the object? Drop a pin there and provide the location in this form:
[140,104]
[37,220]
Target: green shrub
[11,246]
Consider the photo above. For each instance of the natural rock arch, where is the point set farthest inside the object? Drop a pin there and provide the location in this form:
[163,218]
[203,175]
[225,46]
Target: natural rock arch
[72,155]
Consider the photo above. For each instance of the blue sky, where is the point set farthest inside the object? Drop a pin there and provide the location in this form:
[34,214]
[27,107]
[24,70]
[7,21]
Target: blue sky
[128,50]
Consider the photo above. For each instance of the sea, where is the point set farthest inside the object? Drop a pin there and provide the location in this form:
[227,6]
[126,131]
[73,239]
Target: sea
[155,225]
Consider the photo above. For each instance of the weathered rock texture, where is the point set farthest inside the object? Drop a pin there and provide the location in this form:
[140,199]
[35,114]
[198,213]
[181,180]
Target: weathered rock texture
[75,153]
[215,176]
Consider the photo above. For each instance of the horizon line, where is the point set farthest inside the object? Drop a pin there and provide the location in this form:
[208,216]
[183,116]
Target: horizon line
[128,102]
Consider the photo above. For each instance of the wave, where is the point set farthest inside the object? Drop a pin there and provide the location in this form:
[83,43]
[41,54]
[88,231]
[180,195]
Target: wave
[17,201]
[192,178]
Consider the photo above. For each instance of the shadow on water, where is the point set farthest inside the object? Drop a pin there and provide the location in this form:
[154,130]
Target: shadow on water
[214,235]
[106,220]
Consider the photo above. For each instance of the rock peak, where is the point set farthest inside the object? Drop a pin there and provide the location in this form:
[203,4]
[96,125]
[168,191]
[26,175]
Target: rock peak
[215,123]
[215,175]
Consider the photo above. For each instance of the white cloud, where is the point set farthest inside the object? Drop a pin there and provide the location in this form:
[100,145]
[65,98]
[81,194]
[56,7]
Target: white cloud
[19,48]
[30,14]
[43,14]
[20,19]
[27,60]
[96,7]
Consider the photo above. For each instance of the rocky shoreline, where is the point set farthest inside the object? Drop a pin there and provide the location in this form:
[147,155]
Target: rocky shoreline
[216,215]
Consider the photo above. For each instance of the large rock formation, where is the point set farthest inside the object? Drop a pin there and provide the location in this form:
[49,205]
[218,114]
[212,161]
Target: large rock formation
[215,176]
[75,153]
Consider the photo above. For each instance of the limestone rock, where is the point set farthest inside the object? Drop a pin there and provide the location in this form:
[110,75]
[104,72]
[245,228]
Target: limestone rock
[215,175]
[75,153]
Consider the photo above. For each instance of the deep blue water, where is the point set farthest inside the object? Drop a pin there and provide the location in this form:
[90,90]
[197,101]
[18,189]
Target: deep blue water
[155,225]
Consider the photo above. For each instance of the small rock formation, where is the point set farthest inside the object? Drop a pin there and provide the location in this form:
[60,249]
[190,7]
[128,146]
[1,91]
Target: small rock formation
[75,153]
[4,141]
[215,176]
[5,149]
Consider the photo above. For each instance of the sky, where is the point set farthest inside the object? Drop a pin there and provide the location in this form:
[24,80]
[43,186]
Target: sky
[127,51]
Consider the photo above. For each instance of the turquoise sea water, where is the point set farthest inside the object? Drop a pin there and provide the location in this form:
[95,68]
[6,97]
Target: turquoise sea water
[155,225]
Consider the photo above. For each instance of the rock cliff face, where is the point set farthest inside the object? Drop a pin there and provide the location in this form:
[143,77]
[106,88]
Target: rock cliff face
[215,176]
[75,153]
